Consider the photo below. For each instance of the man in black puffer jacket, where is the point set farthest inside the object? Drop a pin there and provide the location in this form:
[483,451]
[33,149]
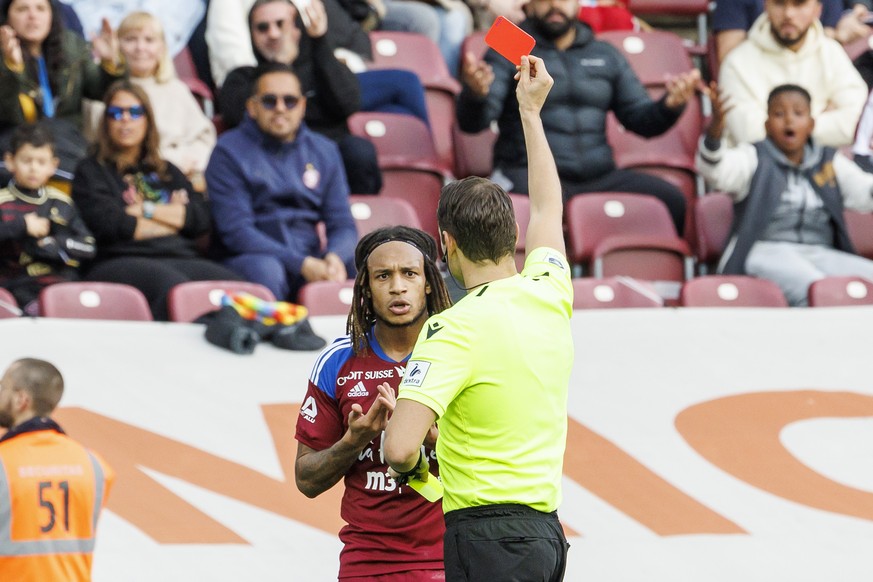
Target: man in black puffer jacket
[591,78]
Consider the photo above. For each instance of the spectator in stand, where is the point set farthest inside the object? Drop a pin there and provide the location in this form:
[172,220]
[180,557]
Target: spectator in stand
[271,181]
[388,90]
[42,238]
[145,214]
[331,88]
[46,71]
[594,80]
[187,136]
[843,20]
[789,193]
[787,45]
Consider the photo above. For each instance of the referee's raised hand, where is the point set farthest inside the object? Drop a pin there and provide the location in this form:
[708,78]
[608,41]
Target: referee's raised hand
[534,84]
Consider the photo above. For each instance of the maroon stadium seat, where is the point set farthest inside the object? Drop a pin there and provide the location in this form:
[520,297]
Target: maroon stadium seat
[731,291]
[92,300]
[188,301]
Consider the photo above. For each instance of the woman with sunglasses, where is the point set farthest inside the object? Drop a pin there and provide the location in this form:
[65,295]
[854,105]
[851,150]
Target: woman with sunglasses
[46,71]
[144,213]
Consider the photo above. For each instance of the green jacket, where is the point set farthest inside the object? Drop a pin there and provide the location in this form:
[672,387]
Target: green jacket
[81,78]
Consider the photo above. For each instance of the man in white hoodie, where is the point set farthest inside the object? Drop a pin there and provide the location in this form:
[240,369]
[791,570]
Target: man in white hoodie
[787,44]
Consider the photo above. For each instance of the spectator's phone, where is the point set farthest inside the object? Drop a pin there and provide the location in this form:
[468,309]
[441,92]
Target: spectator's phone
[509,40]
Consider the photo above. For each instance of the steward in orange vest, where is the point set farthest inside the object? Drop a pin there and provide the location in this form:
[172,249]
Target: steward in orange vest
[51,487]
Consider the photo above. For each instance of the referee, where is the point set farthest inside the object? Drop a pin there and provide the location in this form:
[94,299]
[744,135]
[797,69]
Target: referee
[494,370]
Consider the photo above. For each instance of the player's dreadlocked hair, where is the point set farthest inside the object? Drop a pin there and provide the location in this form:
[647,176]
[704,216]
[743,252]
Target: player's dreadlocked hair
[361,315]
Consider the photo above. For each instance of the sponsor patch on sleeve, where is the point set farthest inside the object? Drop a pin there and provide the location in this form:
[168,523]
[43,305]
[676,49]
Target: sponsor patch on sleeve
[416,370]
[556,260]
[309,410]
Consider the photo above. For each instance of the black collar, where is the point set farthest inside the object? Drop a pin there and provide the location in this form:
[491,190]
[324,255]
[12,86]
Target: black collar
[34,424]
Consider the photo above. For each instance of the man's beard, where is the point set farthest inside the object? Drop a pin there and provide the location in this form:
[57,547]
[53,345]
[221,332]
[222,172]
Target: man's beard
[787,42]
[552,30]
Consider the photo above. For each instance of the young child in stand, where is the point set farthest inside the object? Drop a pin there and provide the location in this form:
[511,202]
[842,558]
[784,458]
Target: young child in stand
[789,194]
[42,237]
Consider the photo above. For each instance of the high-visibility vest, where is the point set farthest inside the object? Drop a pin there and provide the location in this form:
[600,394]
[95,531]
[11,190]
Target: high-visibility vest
[51,492]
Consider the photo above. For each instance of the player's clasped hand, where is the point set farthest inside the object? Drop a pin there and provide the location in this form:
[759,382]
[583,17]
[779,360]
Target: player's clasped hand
[365,427]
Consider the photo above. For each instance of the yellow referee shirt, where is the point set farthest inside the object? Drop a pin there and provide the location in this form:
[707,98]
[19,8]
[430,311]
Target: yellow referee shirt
[495,369]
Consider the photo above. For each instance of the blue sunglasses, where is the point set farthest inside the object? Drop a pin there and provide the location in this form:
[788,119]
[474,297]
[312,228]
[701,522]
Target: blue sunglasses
[116,113]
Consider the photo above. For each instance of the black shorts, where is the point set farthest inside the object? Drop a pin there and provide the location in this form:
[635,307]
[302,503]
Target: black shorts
[504,543]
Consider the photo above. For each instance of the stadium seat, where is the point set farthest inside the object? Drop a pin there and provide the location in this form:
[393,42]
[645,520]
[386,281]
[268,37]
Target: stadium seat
[614,292]
[713,216]
[839,291]
[372,212]
[652,54]
[417,53]
[698,9]
[670,156]
[187,73]
[615,233]
[327,297]
[412,52]
[411,169]
[420,189]
[401,141]
[93,300]
[655,55]
[474,152]
[8,305]
[672,149]
[731,291]
[188,301]
[860,226]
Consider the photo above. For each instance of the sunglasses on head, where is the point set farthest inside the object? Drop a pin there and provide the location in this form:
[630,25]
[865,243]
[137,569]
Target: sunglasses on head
[265,26]
[117,113]
[270,101]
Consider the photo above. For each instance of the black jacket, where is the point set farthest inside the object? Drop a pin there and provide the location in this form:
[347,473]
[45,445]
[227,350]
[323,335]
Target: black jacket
[99,194]
[591,78]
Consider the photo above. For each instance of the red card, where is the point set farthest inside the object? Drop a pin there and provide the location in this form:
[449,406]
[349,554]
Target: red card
[509,40]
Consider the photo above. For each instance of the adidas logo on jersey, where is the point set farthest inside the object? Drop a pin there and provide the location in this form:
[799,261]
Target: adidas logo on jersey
[358,391]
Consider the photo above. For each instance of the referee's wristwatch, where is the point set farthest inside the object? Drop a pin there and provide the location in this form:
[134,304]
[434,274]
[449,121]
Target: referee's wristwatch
[403,477]
[148,209]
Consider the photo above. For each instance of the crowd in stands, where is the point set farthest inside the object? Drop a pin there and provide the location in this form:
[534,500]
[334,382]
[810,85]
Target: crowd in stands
[119,168]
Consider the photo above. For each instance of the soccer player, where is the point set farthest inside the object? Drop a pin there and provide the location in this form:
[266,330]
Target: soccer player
[393,533]
[494,369]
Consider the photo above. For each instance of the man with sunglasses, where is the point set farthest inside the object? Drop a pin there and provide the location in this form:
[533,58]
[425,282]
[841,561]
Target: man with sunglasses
[271,181]
[334,92]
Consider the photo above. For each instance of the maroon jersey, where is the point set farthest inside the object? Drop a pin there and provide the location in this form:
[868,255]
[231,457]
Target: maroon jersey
[390,528]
